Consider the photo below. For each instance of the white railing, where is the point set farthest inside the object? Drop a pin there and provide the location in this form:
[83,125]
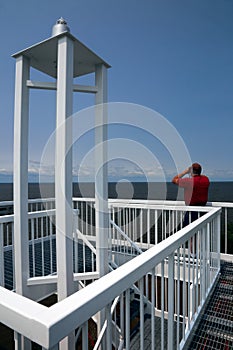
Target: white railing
[158,275]
[135,227]
[6,207]
[86,207]
[175,216]
[144,222]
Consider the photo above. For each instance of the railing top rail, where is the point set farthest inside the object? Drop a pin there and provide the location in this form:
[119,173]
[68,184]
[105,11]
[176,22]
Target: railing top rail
[6,203]
[221,204]
[31,215]
[161,207]
[153,204]
[156,202]
[41,200]
[48,326]
[83,199]
[168,202]
[6,218]
[124,201]
[32,200]
[41,213]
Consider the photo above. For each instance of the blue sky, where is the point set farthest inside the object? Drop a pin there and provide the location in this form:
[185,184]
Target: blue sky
[172,56]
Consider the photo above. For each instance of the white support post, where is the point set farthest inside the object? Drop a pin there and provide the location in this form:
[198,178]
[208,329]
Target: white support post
[101,172]
[101,180]
[63,175]
[63,169]
[170,301]
[21,114]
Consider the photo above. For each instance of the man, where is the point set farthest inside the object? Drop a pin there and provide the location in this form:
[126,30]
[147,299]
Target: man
[195,188]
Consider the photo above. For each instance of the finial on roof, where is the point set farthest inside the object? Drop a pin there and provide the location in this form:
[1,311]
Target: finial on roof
[60,27]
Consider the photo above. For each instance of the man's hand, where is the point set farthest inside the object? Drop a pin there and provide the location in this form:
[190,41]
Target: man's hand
[175,179]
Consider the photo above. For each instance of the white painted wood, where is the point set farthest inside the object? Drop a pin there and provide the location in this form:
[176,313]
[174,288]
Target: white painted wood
[170,330]
[1,256]
[53,86]
[21,114]
[101,171]
[63,169]
[63,176]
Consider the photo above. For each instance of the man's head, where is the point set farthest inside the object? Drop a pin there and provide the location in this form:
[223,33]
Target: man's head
[196,169]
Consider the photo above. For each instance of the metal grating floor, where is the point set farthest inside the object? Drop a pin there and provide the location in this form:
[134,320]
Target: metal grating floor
[44,268]
[215,328]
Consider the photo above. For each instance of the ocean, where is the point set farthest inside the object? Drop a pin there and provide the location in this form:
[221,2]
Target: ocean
[218,191]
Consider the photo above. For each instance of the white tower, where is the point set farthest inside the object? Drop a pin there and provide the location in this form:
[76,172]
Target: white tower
[62,57]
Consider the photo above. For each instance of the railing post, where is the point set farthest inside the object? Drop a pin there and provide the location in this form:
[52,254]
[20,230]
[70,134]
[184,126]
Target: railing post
[85,336]
[141,284]
[18,340]
[162,303]
[109,326]
[225,227]
[153,308]
[127,319]
[170,301]
[218,229]
[203,262]
[1,256]
[75,227]
[21,343]
[208,256]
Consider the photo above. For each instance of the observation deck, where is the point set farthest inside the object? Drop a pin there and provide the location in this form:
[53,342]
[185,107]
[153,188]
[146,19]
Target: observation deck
[167,285]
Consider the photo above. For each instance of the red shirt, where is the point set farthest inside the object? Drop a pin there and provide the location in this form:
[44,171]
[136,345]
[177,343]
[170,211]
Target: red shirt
[195,189]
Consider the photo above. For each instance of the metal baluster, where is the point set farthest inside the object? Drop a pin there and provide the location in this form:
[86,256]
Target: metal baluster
[178,300]
[127,319]
[33,247]
[189,250]
[184,293]
[153,309]
[109,326]
[1,256]
[170,301]
[141,284]
[162,305]
[225,226]
[85,336]
[156,226]
[148,228]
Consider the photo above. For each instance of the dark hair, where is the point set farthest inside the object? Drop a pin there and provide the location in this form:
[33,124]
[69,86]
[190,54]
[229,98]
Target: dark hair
[196,169]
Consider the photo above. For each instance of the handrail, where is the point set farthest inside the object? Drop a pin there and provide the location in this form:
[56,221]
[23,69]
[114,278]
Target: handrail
[31,215]
[126,237]
[125,201]
[85,240]
[48,326]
